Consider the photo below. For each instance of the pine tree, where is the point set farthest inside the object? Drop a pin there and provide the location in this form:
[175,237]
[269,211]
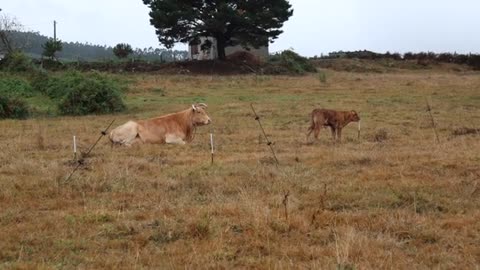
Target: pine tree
[51,47]
[245,22]
[122,50]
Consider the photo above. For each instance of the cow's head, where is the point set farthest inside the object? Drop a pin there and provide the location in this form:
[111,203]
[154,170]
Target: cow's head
[200,116]
[353,115]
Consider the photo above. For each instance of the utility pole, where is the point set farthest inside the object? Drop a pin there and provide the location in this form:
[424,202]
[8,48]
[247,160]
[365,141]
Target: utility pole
[54,30]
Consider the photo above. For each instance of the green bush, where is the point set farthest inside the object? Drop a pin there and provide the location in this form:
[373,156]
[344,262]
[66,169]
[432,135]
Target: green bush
[15,87]
[16,62]
[290,61]
[57,86]
[12,107]
[87,94]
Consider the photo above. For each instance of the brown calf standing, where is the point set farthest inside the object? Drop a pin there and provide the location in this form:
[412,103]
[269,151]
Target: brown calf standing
[336,120]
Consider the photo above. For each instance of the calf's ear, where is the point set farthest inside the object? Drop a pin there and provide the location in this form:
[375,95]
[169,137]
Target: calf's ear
[193,107]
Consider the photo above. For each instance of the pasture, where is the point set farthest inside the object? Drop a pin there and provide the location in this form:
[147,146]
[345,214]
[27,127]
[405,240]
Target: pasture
[393,199]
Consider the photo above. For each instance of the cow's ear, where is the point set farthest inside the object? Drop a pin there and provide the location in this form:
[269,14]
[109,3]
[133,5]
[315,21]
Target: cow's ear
[193,107]
[353,112]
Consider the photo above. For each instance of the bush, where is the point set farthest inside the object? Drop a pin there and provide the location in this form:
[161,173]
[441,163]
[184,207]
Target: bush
[292,62]
[16,62]
[11,107]
[57,87]
[474,61]
[88,94]
[52,65]
[15,87]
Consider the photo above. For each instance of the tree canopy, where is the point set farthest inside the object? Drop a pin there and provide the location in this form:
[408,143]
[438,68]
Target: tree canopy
[122,50]
[245,22]
[50,47]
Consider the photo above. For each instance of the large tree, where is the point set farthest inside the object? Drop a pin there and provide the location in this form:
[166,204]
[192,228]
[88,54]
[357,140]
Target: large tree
[245,22]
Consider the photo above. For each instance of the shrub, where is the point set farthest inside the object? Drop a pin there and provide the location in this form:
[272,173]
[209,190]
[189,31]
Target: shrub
[322,77]
[16,61]
[474,61]
[89,94]
[12,107]
[51,64]
[291,61]
[57,87]
[15,87]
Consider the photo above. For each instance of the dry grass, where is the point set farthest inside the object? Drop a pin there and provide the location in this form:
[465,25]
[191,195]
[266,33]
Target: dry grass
[402,202]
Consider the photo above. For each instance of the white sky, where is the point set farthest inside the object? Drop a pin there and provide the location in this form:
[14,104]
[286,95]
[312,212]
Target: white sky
[316,26]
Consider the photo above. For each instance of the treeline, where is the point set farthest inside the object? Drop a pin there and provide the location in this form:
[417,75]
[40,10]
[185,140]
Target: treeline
[472,60]
[31,43]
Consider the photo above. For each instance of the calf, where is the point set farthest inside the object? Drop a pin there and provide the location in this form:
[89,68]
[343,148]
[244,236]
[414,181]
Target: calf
[336,120]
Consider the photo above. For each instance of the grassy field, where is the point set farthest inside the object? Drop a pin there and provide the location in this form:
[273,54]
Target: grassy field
[395,199]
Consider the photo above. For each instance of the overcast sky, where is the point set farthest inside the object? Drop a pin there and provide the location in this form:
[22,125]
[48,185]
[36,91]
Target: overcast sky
[316,26]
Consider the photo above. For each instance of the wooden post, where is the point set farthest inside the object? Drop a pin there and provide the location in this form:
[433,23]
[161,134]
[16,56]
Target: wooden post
[359,129]
[74,147]
[211,146]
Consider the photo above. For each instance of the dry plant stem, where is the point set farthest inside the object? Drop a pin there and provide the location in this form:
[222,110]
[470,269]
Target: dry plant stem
[265,135]
[285,204]
[434,126]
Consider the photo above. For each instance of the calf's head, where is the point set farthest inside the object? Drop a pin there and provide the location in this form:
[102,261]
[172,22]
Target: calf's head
[199,114]
[353,116]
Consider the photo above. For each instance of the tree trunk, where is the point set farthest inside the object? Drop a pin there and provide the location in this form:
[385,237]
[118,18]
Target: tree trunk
[221,44]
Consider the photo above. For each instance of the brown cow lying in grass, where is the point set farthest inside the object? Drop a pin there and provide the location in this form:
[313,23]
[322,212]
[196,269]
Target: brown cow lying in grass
[336,120]
[175,128]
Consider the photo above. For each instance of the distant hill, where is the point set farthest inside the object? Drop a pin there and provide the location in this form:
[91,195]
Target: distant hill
[31,43]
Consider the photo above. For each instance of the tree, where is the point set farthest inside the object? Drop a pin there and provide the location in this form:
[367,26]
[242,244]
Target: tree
[51,47]
[244,22]
[122,50]
[8,26]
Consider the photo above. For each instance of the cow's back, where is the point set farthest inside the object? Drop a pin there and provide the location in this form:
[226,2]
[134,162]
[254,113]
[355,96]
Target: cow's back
[156,130]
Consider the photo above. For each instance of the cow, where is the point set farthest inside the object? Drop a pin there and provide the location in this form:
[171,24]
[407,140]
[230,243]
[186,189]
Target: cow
[336,120]
[175,128]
